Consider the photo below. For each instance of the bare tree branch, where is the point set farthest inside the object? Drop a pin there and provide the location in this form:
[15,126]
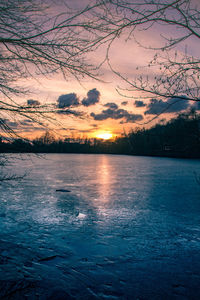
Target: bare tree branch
[177,72]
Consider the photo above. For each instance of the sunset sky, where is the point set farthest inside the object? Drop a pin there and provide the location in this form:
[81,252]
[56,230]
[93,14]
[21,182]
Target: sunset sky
[104,109]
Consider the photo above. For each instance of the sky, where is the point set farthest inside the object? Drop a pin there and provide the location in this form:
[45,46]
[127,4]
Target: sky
[103,108]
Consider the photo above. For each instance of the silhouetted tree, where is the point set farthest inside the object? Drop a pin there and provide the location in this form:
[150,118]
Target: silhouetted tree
[174,71]
[37,38]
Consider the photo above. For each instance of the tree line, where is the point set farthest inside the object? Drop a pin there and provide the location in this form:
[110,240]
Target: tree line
[179,137]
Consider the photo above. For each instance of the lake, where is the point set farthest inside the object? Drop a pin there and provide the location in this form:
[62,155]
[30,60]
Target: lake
[83,226]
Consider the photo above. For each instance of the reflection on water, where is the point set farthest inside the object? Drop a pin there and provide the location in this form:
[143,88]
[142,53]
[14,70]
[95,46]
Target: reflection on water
[127,223]
[104,179]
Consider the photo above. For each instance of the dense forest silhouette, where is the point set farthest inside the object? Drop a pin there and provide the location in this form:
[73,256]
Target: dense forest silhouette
[179,137]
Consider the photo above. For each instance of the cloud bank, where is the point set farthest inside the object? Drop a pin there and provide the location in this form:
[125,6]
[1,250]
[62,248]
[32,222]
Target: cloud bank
[116,114]
[124,103]
[68,100]
[33,103]
[139,103]
[93,97]
[172,105]
[111,105]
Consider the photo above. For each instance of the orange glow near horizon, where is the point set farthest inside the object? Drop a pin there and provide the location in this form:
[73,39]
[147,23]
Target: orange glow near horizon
[104,135]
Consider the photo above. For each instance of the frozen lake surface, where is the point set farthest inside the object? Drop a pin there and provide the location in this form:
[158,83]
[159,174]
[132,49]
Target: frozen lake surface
[128,229]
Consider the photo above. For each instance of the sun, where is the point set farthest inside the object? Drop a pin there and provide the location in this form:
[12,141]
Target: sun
[104,135]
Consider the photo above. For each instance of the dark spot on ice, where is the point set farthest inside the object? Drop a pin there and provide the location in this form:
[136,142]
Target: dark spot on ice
[51,260]
[48,258]
[63,190]
[177,285]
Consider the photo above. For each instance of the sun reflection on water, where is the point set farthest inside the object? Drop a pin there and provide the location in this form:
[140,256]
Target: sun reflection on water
[104,178]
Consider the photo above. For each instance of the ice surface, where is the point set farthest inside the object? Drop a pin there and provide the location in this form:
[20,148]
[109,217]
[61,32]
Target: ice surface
[128,229]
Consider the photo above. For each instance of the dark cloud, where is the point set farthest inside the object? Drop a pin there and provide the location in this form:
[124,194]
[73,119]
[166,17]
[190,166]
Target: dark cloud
[117,114]
[68,111]
[196,105]
[68,100]
[27,122]
[131,118]
[32,102]
[139,103]
[111,105]
[12,124]
[124,103]
[172,105]
[19,125]
[93,97]
[29,125]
